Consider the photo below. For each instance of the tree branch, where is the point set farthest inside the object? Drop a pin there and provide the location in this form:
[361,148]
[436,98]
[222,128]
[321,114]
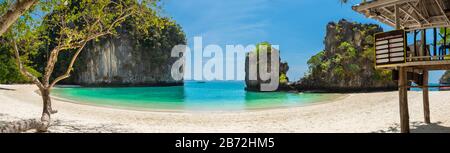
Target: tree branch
[70,67]
[50,65]
[24,71]
[14,13]
[79,44]
[121,18]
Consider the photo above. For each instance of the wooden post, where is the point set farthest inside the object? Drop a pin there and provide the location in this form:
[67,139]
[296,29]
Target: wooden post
[397,17]
[445,36]
[415,43]
[423,44]
[403,94]
[426,103]
[444,49]
[434,42]
[402,84]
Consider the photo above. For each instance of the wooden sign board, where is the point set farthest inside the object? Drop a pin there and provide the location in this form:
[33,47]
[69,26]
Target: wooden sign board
[390,47]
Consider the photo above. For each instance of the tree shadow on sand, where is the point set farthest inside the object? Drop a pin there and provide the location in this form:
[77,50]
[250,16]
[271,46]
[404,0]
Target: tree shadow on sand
[59,126]
[2,122]
[1,88]
[69,126]
[418,127]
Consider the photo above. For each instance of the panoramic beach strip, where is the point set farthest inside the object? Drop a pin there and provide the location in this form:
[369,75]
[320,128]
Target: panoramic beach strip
[200,66]
[355,113]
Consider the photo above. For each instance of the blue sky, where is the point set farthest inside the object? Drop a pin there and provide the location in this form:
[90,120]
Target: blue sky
[297,26]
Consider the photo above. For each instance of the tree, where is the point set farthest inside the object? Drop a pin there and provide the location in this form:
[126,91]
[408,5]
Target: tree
[9,72]
[74,23]
[14,12]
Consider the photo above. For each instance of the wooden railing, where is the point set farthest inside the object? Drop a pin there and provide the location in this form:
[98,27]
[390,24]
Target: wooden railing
[438,54]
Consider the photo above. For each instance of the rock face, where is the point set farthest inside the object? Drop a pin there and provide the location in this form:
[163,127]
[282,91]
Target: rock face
[128,61]
[445,79]
[347,63]
[255,85]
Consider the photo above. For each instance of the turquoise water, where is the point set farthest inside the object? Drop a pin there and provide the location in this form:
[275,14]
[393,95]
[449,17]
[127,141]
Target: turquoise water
[193,96]
[430,89]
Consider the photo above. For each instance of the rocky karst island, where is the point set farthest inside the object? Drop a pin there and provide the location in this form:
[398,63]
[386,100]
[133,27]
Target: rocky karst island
[131,58]
[346,63]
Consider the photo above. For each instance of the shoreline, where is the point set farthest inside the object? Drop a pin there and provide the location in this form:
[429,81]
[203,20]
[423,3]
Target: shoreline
[358,112]
[131,108]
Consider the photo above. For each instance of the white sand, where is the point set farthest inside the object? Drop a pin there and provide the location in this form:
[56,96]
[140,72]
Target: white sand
[361,112]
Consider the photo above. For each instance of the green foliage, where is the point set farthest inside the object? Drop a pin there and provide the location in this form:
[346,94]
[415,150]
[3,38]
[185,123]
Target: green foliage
[325,66]
[266,46]
[160,39]
[338,37]
[74,21]
[316,59]
[354,67]
[317,63]
[337,58]
[338,28]
[4,5]
[147,30]
[349,58]
[369,39]
[24,33]
[442,33]
[350,50]
[9,71]
[65,24]
[445,79]
[283,79]
[383,75]
[368,53]
[339,71]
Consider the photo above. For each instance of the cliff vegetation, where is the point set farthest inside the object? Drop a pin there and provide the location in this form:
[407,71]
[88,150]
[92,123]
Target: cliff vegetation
[346,63]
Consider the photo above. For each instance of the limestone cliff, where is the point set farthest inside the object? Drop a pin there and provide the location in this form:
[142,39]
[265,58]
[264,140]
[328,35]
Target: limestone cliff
[254,85]
[129,59]
[445,79]
[346,64]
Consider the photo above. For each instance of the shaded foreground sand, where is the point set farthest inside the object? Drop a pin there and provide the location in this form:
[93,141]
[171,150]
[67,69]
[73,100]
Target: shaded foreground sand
[360,112]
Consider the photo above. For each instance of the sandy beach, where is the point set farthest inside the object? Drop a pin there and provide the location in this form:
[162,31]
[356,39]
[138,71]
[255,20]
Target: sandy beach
[359,112]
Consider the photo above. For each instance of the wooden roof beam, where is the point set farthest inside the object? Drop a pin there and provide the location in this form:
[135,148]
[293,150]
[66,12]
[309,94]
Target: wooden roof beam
[379,3]
[434,25]
[442,11]
[417,12]
[425,12]
[387,10]
[410,15]
[386,19]
[407,17]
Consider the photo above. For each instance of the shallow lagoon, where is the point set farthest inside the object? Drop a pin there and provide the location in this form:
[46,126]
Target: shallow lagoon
[193,96]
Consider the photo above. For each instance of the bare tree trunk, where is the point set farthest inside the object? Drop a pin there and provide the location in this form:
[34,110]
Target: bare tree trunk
[29,124]
[44,86]
[20,126]
[46,111]
[13,13]
[25,125]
